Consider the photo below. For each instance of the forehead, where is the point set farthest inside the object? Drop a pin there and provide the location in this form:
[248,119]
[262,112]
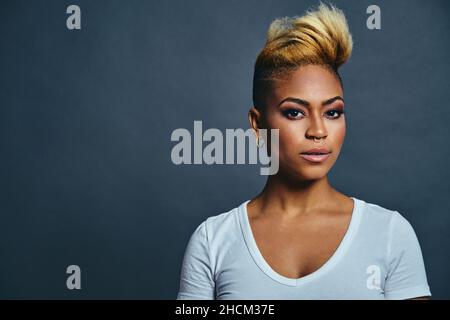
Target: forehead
[312,83]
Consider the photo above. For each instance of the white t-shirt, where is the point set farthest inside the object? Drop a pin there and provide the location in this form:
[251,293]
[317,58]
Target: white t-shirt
[378,258]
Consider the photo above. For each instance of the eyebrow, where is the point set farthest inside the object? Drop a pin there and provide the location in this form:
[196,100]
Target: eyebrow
[307,104]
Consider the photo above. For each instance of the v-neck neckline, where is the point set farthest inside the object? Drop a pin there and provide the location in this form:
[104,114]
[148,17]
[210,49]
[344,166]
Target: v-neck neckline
[328,265]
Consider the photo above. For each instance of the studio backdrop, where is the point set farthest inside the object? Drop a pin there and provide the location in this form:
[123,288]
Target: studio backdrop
[91,93]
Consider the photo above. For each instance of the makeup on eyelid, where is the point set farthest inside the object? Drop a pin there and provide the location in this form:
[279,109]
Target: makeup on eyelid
[289,112]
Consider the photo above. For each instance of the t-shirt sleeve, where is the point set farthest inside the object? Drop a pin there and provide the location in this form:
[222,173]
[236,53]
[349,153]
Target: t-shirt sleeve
[406,276]
[196,279]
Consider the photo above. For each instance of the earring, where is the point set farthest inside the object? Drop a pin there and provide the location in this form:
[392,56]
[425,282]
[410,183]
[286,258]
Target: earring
[257,142]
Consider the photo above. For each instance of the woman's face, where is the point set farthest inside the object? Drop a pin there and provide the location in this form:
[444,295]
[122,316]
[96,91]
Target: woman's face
[306,105]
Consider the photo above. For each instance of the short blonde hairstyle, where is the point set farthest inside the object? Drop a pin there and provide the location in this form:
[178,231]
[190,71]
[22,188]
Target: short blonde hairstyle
[319,37]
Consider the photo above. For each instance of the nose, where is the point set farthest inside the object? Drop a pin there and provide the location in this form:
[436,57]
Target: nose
[316,128]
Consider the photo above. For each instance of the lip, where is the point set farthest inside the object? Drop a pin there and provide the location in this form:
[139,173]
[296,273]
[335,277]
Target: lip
[317,158]
[317,150]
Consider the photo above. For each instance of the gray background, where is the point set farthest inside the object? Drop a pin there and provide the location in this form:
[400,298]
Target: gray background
[86,117]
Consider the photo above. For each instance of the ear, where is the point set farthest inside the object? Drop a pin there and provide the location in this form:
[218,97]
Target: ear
[254,118]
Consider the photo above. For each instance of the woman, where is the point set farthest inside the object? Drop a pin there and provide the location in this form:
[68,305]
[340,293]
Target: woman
[300,238]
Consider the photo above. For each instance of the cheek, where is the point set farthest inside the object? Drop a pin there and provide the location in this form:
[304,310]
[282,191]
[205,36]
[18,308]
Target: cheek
[292,137]
[291,133]
[337,133]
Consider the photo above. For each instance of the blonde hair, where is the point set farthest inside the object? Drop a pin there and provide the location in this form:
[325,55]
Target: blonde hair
[319,37]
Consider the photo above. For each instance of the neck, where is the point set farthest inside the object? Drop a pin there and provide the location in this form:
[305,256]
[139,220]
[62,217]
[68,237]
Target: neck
[282,193]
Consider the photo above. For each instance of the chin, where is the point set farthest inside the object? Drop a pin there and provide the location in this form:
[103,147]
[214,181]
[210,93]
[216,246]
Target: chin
[305,173]
[312,174]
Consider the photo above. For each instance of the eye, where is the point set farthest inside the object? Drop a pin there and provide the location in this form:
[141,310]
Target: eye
[335,113]
[293,114]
